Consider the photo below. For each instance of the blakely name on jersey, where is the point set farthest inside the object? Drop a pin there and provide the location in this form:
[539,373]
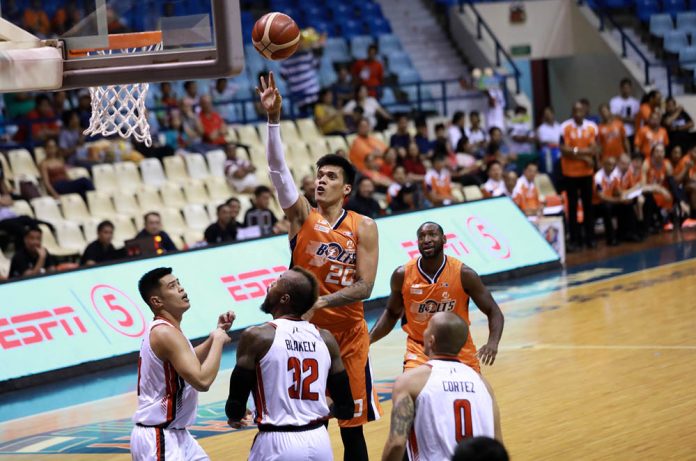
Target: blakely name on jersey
[300,346]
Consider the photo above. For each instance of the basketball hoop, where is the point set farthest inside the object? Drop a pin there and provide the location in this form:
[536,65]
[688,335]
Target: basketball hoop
[120,109]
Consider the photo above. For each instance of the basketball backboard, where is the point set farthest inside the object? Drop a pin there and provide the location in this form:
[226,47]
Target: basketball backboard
[198,39]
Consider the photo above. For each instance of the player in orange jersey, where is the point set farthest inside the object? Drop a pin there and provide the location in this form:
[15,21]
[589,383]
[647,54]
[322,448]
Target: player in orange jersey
[435,283]
[340,248]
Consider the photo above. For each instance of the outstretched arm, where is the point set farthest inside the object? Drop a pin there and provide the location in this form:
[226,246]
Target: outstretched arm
[482,297]
[394,310]
[295,206]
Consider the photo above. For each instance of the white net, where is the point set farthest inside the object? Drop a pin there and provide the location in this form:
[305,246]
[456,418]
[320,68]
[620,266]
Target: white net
[120,109]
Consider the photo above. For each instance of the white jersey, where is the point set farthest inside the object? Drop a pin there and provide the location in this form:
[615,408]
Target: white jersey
[164,398]
[291,377]
[453,405]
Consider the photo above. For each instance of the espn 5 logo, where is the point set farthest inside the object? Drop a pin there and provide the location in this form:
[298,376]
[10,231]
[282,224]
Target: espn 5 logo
[454,246]
[35,327]
[253,284]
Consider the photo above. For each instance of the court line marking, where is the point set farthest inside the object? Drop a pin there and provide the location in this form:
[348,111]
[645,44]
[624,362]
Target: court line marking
[619,276]
[35,447]
[540,346]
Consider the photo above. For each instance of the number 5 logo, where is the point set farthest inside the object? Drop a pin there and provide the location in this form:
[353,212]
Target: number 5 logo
[118,311]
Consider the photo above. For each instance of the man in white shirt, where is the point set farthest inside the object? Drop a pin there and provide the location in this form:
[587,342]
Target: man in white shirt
[521,131]
[477,136]
[456,129]
[495,186]
[626,107]
[549,132]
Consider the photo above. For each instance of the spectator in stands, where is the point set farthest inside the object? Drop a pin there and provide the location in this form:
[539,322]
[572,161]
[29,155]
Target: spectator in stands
[402,138]
[685,175]
[456,128]
[153,229]
[626,107]
[415,168]
[54,175]
[363,201]
[475,133]
[549,133]
[65,17]
[438,183]
[10,222]
[675,156]
[301,71]
[235,207]
[43,121]
[406,199]
[510,178]
[344,86]
[651,135]
[240,172]
[480,449]
[36,20]
[307,187]
[526,195]
[222,92]
[521,132]
[329,119]
[61,103]
[613,203]
[612,134]
[84,107]
[32,258]
[498,150]
[495,185]
[678,124]
[261,215]
[167,96]
[372,171]
[658,188]
[114,23]
[353,119]
[102,250]
[11,11]
[425,145]
[224,229]
[651,101]
[399,176]
[389,161]
[191,96]
[71,142]
[577,166]
[372,110]
[18,105]
[365,144]
[214,127]
[466,170]
[369,71]
[495,117]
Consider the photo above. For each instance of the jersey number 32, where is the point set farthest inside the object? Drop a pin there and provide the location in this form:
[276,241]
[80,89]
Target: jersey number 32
[300,388]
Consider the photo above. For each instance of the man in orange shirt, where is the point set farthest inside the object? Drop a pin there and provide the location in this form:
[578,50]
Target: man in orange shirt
[612,134]
[614,203]
[214,127]
[648,105]
[526,195]
[364,145]
[369,72]
[578,154]
[651,135]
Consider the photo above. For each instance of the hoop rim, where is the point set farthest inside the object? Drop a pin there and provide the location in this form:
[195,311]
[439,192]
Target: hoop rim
[123,41]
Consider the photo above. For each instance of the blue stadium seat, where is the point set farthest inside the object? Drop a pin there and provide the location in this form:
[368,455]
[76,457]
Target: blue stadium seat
[359,45]
[646,8]
[673,6]
[687,56]
[387,96]
[369,9]
[377,26]
[341,12]
[351,28]
[675,40]
[686,20]
[336,49]
[327,74]
[660,24]
[408,76]
[388,43]
[398,60]
[618,4]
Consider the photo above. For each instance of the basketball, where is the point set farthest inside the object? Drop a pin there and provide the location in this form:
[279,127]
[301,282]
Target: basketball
[276,36]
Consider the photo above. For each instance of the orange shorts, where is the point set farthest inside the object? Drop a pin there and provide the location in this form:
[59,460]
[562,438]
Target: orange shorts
[355,345]
[415,354]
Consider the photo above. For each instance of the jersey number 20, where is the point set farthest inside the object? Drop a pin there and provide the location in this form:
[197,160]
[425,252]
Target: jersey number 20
[300,387]
[340,275]
[462,419]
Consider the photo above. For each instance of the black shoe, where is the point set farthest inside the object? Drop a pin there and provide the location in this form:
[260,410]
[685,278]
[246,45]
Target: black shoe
[572,248]
[613,242]
[591,245]
[633,238]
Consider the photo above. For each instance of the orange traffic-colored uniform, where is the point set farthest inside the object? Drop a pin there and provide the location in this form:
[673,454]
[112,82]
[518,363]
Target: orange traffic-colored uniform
[658,176]
[330,253]
[582,137]
[646,139]
[423,298]
[611,137]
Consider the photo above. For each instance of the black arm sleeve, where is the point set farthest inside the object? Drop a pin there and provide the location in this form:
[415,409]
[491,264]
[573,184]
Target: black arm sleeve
[241,383]
[339,389]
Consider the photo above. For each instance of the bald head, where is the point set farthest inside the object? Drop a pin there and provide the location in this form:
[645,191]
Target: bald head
[446,334]
[294,293]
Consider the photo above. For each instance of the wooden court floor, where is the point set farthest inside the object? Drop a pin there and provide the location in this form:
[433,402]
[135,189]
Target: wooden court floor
[600,371]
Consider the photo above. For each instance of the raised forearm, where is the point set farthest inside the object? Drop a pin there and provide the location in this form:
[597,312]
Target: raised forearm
[362,289]
[211,364]
[203,349]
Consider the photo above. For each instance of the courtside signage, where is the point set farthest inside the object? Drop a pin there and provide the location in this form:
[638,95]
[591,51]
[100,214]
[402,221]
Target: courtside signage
[57,321]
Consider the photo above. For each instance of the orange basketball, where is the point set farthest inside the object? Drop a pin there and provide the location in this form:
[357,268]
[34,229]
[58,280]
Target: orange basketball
[276,36]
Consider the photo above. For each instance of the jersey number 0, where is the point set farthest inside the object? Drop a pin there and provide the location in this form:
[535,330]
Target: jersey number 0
[462,419]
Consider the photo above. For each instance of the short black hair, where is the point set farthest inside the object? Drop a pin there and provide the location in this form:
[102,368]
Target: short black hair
[625,81]
[372,47]
[188,83]
[151,282]
[151,213]
[480,449]
[458,116]
[637,156]
[303,296]
[421,122]
[323,92]
[31,228]
[262,190]
[219,207]
[520,109]
[41,98]
[402,116]
[439,126]
[232,199]
[492,129]
[439,227]
[474,112]
[103,224]
[341,162]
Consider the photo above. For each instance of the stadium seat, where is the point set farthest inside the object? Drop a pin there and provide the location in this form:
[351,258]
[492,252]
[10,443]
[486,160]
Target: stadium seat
[299,158]
[49,241]
[673,7]
[74,208]
[378,25]
[646,8]
[472,193]
[336,49]
[218,189]
[388,43]
[127,205]
[335,143]
[127,176]
[675,40]
[686,20]
[124,229]
[4,265]
[687,57]
[247,134]
[398,60]
[46,209]
[22,207]
[196,217]
[6,168]
[152,172]
[409,76]
[317,148]
[192,237]
[172,221]
[195,192]
[39,154]
[308,129]
[149,200]
[70,236]
[216,163]
[104,177]
[22,163]
[351,137]
[359,45]
[289,131]
[172,196]
[100,204]
[196,165]
[77,172]
[660,24]
[175,168]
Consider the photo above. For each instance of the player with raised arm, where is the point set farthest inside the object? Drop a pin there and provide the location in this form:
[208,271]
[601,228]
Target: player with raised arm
[440,403]
[171,372]
[289,364]
[340,248]
[433,283]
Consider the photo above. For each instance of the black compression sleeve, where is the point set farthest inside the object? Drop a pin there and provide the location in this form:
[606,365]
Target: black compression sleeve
[339,389]
[241,383]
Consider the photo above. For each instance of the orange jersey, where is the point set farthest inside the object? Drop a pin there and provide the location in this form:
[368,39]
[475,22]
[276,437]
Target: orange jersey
[526,195]
[658,176]
[646,139]
[631,178]
[611,137]
[682,165]
[582,137]
[439,182]
[643,115]
[424,297]
[330,254]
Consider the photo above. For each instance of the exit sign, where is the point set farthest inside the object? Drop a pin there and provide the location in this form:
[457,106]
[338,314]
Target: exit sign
[521,50]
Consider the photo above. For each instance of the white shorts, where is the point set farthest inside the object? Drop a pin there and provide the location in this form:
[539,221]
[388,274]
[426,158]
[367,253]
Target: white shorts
[311,445]
[154,444]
